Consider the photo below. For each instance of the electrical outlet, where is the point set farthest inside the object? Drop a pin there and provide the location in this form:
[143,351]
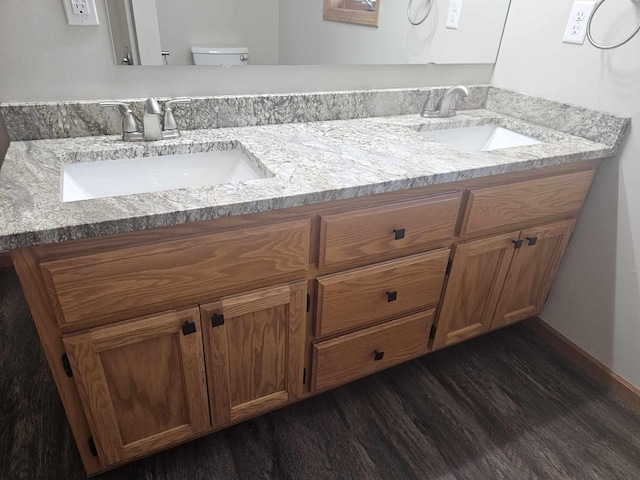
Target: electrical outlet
[577,25]
[81,12]
[453,15]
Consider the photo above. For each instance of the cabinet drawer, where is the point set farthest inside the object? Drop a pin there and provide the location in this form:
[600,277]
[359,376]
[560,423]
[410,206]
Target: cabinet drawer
[364,295]
[138,280]
[367,351]
[523,202]
[388,228]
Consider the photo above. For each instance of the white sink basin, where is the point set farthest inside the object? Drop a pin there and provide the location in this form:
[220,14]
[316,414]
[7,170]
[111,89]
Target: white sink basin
[482,139]
[110,178]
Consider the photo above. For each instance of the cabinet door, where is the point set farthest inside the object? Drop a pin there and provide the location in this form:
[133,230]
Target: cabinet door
[477,275]
[532,272]
[142,383]
[255,346]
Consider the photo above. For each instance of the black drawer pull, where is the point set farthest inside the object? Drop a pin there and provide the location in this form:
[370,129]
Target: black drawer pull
[399,233]
[532,241]
[378,356]
[188,328]
[217,320]
[392,296]
[517,243]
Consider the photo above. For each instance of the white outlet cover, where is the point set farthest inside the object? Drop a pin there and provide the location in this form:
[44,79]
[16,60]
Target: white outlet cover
[576,30]
[81,12]
[453,15]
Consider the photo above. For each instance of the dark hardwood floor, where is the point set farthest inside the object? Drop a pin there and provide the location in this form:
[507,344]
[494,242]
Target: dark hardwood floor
[504,406]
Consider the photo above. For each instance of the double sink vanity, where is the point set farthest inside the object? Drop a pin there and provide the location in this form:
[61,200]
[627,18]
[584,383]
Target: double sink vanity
[181,286]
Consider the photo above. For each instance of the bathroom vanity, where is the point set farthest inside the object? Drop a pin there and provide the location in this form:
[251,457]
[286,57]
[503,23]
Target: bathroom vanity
[169,315]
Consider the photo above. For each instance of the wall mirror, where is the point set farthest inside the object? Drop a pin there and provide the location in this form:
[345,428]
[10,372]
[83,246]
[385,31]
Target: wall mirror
[362,12]
[295,32]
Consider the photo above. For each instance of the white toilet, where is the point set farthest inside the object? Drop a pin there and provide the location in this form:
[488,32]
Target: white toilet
[211,55]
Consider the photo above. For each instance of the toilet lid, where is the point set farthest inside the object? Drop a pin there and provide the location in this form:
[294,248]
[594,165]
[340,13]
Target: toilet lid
[212,50]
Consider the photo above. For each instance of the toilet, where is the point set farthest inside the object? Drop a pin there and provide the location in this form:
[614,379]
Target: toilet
[211,55]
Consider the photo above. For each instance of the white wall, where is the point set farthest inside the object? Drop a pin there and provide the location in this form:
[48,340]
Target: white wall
[42,58]
[595,301]
[305,38]
[246,23]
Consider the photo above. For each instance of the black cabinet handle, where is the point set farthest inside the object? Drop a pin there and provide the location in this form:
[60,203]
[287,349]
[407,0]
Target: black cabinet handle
[188,328]
[217,320]
[532,241]
[517,243]
[399,233]
[392,296]
[378,356]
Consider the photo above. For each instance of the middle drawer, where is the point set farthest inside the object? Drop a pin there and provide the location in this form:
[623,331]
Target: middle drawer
[368,294]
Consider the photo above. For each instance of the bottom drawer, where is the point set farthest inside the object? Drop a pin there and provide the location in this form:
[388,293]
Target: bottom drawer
[367,351]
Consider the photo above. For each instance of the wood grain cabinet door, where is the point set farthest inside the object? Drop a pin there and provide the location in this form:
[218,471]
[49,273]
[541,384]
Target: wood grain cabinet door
[254,347]
[477,275]
[142,383]
[532,272]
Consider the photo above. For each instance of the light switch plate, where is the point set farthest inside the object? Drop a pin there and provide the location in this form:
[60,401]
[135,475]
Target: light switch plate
[453,15]
[81,12]
[576,30]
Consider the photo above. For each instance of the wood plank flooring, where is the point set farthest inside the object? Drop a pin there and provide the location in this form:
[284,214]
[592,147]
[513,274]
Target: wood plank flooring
[504,406]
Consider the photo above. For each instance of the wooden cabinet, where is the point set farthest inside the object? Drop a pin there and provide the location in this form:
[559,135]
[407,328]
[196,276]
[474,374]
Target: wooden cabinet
[532,272]
[477,275]
[500,280]
[255,344]
[142,383]
[178,331]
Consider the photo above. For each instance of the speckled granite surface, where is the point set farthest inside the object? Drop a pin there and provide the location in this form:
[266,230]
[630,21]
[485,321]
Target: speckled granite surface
[311,162]
[45,120]
[582,122]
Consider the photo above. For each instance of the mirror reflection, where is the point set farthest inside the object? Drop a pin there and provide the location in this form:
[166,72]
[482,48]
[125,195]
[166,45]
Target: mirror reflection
[296,32]
[362,12]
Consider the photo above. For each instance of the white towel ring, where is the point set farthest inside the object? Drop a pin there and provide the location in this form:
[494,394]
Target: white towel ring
[413,22]
[606,47]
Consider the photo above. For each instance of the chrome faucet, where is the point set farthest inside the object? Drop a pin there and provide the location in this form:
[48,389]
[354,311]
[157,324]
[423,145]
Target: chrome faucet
[156,124]
[151,124]
[131,131]
[446,106]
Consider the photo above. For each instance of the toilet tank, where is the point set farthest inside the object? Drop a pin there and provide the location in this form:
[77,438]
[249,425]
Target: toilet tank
[212,55]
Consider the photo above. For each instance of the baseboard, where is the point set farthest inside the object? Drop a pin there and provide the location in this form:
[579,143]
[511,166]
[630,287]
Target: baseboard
[592,367]
[5,260]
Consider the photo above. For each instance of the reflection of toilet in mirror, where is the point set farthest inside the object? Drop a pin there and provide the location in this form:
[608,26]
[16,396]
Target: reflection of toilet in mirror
[212,55]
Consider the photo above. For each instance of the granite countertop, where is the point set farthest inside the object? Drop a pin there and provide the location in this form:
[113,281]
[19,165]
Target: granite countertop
[311,162]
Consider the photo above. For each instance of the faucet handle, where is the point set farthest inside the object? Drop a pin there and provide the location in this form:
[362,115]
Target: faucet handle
[130,123]
[178,100]
[169,120]
[429,108]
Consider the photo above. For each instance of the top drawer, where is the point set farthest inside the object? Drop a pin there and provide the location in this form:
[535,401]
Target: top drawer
[138,280]
[387,228]
[524,202]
